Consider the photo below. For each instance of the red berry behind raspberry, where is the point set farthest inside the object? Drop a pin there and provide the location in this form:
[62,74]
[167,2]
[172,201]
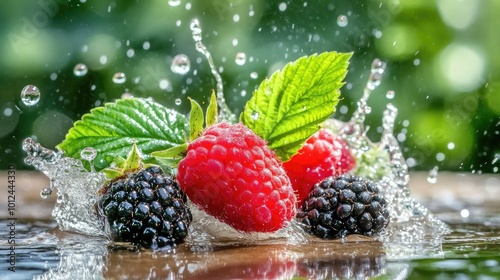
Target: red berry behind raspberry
[323,155]
[230,173]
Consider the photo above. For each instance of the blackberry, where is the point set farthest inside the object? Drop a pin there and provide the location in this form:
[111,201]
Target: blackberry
[342,205]
[146,208]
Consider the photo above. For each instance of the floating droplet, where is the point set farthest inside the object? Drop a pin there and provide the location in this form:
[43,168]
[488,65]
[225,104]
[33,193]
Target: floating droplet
[174,3]
[342,21]
[433,175]
[30,95]
[254,75]
[255,115]
[88,153]
[80,70]
[178,101]
[164,84]
[390,94]
[119,78]
[241,58]
[180,64]
[126,95]
[45,193]
[103,59]
[282,6]
[464,213]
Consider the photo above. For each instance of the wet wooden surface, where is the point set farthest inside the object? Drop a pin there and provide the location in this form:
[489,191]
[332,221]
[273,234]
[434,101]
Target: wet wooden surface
[450,189]
[355,257]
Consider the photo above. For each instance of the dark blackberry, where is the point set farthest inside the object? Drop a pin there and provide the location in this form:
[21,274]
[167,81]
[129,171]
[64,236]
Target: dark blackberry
[342,205]
[146,208]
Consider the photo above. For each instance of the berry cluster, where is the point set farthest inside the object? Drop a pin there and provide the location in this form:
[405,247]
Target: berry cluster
[146,208]
[323,155]
[343,205]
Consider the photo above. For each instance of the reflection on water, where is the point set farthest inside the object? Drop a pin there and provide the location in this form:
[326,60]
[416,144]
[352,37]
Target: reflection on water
[471,251]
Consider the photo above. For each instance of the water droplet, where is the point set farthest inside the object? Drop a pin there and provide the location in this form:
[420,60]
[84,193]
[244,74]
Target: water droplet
[433,175]
[88,153]
[451,146]
[164,84]
[180,64]
[30,95]
[282,6]
[390,94]
[495,159]
[126,95]
[195,29]
[119,78]
[342,21]
[255,115]
[254,75]
[241,58]
[80,70]
[45,193]
[103,59]
[174,3]
[464,213]
[178,101]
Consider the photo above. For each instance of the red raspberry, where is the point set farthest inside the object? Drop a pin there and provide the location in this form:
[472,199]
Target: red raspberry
[323,155]
[231,174]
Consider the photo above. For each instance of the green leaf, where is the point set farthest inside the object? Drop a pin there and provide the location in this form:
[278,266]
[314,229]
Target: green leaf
[133,160]
[112,129]
[177,151]
[111,173]
[211,117]
[288,107]
[195,120]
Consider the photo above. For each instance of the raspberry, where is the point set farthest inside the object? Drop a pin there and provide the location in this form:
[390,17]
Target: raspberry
[322,155]
[230,173]
[342,205]
[146,208]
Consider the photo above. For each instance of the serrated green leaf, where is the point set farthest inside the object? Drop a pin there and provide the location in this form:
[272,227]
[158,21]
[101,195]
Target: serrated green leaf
[112,129]
[195,120]
[288,107]
[211,117]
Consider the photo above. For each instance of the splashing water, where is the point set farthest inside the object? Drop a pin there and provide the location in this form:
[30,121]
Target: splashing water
[76,188]
[30,95]
[413,230]
[88,153]
[224,111]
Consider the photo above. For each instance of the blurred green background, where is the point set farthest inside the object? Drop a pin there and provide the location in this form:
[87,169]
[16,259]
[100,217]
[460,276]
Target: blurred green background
[442,62]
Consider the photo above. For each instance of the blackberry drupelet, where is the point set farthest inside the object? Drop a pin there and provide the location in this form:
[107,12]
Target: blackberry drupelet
[147,208]
[343,205]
